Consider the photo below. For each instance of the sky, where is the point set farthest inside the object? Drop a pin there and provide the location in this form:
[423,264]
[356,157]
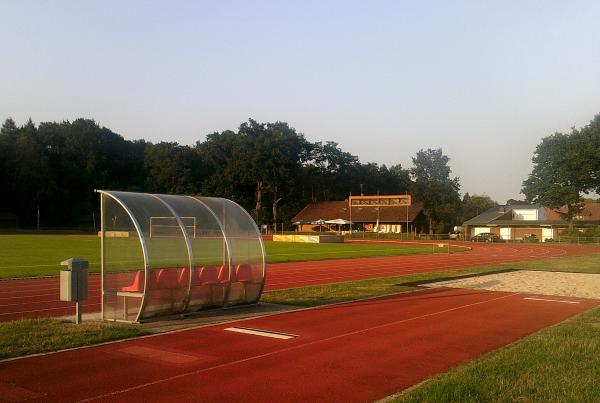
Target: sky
[483,80]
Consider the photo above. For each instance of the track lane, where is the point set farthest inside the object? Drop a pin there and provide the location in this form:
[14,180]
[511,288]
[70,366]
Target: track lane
[39,297]
[355,352]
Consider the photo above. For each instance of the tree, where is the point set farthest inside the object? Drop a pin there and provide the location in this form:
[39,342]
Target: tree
[400,179]
[434,187]
[589,139]
[471,206]
[8,159]
[221,153]
[565,167]
[274,158]
[331,172]
[560,175]
[172,168]
[512,202]
[261,163]
[33,176]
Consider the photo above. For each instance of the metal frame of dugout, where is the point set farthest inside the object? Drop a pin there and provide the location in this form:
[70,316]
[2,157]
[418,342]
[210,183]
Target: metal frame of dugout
[173,254]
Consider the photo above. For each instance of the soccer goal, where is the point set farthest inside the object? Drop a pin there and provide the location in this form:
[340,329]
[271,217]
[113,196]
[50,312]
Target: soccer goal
[169,227]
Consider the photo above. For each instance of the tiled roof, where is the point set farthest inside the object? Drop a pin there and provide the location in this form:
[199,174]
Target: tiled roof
[331,210]
[591,212]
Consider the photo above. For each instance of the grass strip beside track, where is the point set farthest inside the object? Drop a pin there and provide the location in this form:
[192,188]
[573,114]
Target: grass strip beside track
[352,290]
[40,255]
[33,336]
[589,263]
[559,364]
[355,290]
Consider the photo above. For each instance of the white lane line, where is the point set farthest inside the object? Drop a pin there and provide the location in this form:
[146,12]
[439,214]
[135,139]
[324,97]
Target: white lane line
[552,300]
[264,333]
[46,309]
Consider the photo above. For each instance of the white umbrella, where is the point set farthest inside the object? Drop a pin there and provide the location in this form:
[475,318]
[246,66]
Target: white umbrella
[319,222]
[339,221]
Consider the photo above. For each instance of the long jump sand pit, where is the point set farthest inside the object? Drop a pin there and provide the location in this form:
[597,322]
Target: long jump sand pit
[581,285]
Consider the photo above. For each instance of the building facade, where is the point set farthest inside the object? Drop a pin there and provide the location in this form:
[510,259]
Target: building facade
[385,213]
[516,222]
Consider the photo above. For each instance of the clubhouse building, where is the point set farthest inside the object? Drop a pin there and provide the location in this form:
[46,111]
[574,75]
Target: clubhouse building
[514,222]
[385,214]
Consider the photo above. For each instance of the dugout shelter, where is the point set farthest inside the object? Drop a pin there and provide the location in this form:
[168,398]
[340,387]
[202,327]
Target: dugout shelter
[173,254]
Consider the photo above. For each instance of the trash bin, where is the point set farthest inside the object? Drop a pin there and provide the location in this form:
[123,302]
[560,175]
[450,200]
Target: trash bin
[74,282]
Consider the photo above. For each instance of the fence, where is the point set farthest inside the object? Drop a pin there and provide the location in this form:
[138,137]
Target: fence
[561,239]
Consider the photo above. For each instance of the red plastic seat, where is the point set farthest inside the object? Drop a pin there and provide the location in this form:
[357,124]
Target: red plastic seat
[152,283]
[243,273]
[196,275]
[184,277]
[168,278]
[223,274]
[208,275]
[137,285]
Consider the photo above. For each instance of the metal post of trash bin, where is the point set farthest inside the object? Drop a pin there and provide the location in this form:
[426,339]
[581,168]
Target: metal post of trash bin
[74,283]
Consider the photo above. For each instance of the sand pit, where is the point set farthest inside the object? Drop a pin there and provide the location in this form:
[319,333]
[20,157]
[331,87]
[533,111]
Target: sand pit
[580,285]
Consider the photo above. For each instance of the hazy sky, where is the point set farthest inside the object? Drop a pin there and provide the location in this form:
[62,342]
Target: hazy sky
[485,81]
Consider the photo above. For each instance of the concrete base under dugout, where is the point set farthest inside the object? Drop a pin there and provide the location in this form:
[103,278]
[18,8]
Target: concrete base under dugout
[202,318]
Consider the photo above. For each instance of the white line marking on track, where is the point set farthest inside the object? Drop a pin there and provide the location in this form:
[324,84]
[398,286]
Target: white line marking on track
[46,309]
[551,300]
[259,332]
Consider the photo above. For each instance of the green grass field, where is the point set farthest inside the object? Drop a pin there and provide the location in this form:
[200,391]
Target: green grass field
[40,255]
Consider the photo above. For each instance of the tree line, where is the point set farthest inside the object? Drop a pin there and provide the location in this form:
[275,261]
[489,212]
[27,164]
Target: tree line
[269,168]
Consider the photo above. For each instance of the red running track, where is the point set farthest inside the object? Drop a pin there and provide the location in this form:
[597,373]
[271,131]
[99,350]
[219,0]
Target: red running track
[353,352]
[28,298]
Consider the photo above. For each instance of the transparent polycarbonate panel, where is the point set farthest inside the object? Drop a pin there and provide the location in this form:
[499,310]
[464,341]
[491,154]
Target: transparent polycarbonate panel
[247,273]
[123,263]
[209,277]
[166,253]
[167,284]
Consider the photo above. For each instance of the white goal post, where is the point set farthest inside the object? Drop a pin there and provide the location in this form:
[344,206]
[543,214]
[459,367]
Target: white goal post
[169,227]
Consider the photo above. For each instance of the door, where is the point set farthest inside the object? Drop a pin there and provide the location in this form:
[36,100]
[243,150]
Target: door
[505,233]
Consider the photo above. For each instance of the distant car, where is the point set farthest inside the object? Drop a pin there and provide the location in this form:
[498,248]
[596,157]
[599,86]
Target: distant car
[485,237]
[455,235]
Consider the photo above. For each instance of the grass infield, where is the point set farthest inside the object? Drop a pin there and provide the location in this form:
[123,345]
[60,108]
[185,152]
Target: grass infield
[40,255]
